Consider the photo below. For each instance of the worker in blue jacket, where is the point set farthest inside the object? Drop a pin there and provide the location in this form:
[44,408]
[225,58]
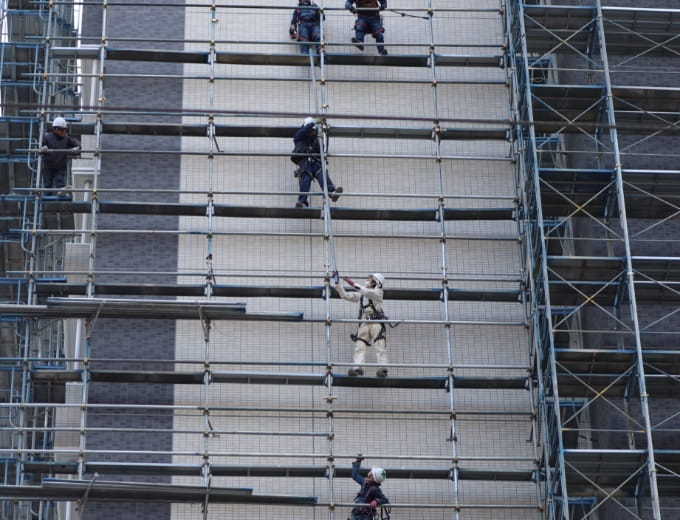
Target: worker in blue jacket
[305,25]
[368,21]
[370,495]
[306,138]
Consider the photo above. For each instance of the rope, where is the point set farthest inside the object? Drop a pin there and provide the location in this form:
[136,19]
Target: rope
[408,14]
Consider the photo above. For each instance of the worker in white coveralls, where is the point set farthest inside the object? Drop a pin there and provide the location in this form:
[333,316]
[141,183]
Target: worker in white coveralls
[370,299]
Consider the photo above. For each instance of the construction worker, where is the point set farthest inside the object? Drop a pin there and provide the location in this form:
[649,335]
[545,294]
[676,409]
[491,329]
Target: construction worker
[370,299]
[57,148]
[370,495]
[368,21]
[306,141]
[305,25]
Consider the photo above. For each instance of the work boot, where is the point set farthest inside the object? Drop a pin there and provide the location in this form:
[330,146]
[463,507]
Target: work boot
[335,194]
[359,45]
[382,51]
[299,204]
[63,191]
[382,372]
[353,372]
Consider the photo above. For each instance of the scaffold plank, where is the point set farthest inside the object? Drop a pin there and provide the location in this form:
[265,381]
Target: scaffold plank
[97,490]
[276,378]
[52,289]
[254,470]
[287,132]
[244,58]
[143,309]
[224,210]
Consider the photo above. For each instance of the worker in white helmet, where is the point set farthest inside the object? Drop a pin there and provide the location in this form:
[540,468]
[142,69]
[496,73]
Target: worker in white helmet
[57,148]
[370,495]
[370,298]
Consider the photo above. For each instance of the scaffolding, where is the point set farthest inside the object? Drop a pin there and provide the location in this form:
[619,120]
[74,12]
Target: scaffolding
[595,145]
[174,346]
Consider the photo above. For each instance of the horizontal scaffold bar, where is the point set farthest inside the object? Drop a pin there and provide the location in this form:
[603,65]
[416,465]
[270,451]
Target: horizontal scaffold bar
[592,268]
[221,130]
[628,31]
[238,470]
[276,378]
[586,373]
[598,472]
[244,58]
[224,210]
[607,292]
[52,290]
[96,490]
[648,193]
[639,110]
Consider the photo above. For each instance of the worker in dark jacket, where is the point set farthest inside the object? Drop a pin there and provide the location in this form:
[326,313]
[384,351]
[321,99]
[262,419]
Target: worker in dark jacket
[305,25]
[57,149]
[368,21]
[306,138]
[370,495]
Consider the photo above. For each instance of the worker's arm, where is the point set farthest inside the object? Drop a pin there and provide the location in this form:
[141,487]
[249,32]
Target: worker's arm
[356,476]
[349,296]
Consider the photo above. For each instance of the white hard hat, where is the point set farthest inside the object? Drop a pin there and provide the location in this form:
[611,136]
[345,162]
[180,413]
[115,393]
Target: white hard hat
[308,120]
[378,278]
[59,122]
[378,474]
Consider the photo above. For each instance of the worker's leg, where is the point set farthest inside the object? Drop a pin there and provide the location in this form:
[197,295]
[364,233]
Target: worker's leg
[381,356]
[305,185]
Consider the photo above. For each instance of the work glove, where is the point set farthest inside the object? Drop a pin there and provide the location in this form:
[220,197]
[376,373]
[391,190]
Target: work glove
[292,32]
[352,9]
[360,457]
[349,280]
[44,149]
[335,278]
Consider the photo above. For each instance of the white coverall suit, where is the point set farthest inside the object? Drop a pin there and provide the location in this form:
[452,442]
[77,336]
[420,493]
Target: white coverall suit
[370,301]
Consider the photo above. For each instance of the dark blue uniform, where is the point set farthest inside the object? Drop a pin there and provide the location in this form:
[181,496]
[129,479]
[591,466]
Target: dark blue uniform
[306,24]
[310,167]
[369,492]
[54,163]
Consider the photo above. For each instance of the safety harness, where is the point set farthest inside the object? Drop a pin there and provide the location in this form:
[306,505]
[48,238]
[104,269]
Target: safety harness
[366,511]
[375,314]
